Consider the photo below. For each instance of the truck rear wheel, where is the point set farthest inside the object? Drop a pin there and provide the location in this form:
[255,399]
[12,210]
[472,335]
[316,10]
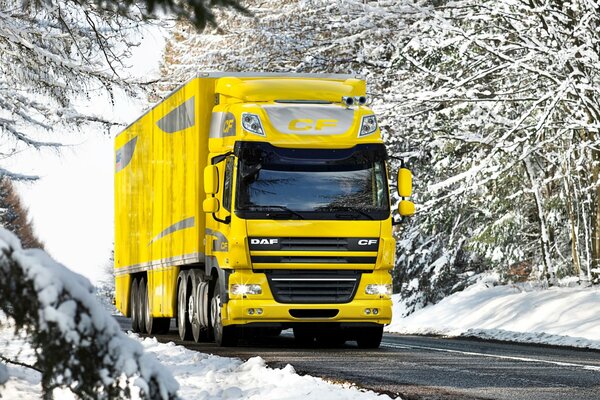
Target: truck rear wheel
[369,338]
[153,325]
[201,305]
[133,306]
[142,308]
[225,336]
[183,321]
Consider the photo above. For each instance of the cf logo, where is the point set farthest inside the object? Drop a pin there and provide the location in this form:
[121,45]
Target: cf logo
[366,242]
[228,125]
[307,124]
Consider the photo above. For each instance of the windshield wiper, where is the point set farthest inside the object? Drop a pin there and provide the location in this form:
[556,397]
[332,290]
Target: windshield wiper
[351,209]
[283,208]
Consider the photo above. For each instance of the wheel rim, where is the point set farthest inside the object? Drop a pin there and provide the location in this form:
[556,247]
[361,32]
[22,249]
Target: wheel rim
[181,310]
[215,313]
[191,308]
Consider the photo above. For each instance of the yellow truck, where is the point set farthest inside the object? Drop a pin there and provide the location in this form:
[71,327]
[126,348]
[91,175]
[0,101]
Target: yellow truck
[248,203]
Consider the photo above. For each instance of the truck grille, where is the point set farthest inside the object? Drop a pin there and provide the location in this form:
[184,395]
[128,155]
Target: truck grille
[312,287]
[278,250]
[313,244]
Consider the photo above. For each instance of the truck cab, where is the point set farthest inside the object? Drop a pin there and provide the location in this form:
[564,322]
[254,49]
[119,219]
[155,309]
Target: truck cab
[300,220]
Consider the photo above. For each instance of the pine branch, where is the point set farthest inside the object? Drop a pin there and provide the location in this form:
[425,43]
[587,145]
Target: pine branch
[19,363]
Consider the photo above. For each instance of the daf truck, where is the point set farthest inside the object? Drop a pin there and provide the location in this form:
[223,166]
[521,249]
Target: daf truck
[248,203]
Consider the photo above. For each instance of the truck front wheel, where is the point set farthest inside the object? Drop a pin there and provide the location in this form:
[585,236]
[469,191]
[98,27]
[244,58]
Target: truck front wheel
[369,338]
[224,335]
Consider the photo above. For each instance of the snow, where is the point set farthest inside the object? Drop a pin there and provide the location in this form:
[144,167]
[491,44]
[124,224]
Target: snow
[566,316]
[204,376]
[63,313]
[200,376]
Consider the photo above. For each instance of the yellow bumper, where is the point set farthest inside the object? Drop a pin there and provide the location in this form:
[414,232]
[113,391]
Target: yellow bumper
[238,311]
[244,309]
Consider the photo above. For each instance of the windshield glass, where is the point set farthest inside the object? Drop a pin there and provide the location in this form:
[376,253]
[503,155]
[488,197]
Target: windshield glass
[312,184]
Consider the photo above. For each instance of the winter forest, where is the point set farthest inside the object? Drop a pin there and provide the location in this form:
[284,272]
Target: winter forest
[493,105]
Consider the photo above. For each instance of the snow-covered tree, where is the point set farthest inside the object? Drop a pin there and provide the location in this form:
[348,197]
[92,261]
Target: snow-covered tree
[53,54]
[78,345]
[493,104]
[14,217]
[512,113]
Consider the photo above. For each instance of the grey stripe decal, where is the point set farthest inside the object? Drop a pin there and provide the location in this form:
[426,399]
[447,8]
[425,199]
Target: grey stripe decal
[124,154]
[221,243]
[184,224]
[180,118]
[162,263]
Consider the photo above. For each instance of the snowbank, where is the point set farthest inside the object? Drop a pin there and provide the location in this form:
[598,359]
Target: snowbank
[559,316]
[200,376]
[208,377]
[78,344]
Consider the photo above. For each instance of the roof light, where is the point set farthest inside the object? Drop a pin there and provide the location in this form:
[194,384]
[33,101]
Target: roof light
[368,125]
[251,123]
[348,101]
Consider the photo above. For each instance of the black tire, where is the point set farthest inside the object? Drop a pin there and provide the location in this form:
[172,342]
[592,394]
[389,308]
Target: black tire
[331,340]
[183,321]
[200,322]
[304,337]
[148,319]
[133,306]
[225,336]
[142,308]
[369,338]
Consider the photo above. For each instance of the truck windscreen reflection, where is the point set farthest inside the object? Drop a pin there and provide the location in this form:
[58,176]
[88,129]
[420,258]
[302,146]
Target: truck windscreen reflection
[342,189]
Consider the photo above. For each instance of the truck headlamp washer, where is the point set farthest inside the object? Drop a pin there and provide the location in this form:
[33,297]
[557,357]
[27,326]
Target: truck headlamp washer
[251,123]
[384,289]
[243,289]
[368,125]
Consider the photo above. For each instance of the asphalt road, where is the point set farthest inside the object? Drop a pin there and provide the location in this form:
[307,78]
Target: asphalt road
[431,368]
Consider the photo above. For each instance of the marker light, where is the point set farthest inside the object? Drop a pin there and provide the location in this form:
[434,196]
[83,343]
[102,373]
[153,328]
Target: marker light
[238,289]
[361,100]
[251,123]
[379,289]
[368,125]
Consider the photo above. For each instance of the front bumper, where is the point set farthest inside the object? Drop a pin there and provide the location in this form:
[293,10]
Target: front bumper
[238,312]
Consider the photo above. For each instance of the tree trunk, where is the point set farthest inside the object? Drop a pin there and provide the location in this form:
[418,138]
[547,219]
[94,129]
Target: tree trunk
[548,273]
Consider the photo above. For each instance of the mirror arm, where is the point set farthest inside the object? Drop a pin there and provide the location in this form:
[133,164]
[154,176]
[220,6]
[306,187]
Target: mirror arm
[227,219]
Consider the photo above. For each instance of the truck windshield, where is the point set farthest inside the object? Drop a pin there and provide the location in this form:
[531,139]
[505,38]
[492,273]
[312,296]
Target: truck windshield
[311,183]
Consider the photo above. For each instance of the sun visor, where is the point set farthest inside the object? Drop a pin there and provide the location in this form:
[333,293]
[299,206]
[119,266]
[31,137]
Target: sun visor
[292,89]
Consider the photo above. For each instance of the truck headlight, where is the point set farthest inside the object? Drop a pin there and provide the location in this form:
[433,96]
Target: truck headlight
[368,125]
[385,289]
[238,288]
[251,123]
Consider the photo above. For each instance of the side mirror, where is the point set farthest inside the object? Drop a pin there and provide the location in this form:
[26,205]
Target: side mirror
[211,180]
[406,208]
[210,205]
[404,182]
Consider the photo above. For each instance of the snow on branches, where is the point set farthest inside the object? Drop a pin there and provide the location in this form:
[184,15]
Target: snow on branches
[494,105]
[78,345]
